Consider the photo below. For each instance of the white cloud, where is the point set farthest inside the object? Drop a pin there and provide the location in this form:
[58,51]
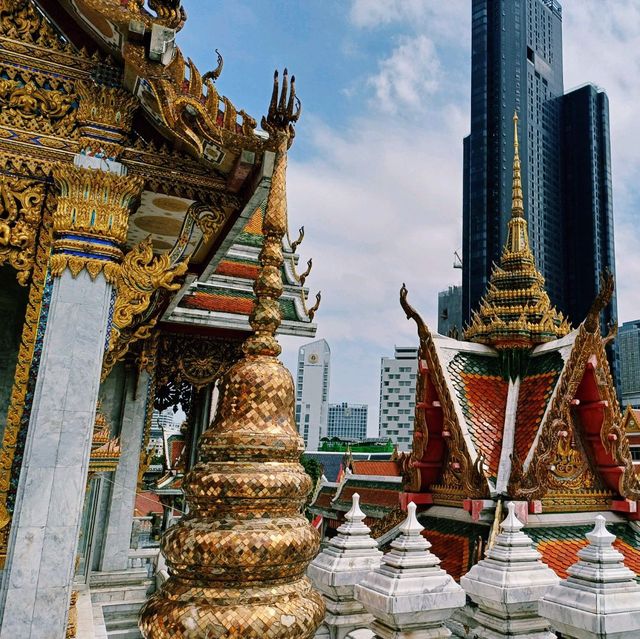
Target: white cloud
[407,76]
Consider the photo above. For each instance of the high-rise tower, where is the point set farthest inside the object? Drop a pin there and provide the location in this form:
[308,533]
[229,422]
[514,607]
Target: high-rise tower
[312,392]
[516,66]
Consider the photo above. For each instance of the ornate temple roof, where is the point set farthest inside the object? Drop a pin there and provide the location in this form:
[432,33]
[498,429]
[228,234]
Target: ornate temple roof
[516,312]
[226,298]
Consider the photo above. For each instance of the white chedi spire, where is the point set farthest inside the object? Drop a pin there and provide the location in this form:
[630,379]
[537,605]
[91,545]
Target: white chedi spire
[409,594]
[600,599]
[348,557]
[508,584]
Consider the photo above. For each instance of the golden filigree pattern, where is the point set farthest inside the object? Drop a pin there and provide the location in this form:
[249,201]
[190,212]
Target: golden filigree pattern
[198,360]
[105,117]
[94,203]
[140,275]
[28,106]
[21,204]
[238,562]
[23,367]
[20,20]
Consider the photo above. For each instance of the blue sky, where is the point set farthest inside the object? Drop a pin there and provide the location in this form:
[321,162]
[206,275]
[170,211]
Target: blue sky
[375,171]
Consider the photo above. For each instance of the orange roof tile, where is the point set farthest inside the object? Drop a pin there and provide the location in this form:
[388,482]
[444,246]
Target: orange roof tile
[452,550]
[386,468]
[533,398]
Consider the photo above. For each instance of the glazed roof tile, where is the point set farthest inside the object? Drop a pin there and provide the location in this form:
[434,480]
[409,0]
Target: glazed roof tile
[454,542]
[388,468]
[225,300]
[482,394]
[536,389]
[559,546]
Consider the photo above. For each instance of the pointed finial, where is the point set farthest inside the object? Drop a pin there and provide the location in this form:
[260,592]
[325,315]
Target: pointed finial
[355,513]
[600,536]
[511,523]
[411,525]
[517,206]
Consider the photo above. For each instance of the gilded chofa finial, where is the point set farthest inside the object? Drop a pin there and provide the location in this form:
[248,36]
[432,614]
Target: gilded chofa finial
[266,316]
[517,206]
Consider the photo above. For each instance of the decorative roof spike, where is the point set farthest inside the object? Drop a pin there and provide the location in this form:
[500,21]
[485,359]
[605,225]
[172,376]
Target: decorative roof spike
[600,597]
[237,562]
[409,593]
[507,584]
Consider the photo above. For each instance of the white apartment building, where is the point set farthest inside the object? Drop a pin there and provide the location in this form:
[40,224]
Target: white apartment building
[398,376]
[312,392]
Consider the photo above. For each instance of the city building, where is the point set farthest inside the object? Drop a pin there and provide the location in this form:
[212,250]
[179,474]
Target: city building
[161,423]
[312,392]
[450,311]
[516,67]
[347,421]
[398,376]
[629,352]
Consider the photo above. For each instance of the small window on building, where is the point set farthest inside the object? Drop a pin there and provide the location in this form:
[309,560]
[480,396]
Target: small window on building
[531,55]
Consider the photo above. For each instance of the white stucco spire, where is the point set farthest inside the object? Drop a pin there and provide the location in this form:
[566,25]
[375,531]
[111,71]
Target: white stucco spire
[409,594]
[600,599]
[348,557]
[507,585]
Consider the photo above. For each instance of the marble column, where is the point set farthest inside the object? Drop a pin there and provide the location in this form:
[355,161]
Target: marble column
[115,555]
[44,534]
[90,225]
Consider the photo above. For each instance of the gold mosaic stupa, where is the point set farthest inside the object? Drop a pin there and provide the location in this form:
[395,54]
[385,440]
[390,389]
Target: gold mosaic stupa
[515,313]
[237,561]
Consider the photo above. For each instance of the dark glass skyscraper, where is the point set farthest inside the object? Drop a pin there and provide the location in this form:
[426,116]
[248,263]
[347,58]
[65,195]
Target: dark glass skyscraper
[516,65]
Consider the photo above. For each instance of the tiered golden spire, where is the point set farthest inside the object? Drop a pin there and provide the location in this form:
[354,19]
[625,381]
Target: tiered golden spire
[515,312]
[238,559]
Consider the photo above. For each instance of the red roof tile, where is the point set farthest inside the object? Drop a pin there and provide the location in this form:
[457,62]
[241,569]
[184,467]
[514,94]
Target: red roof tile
[533,398]
[452,550]
[386,468]
[238,269]
[486,399]
[371,496]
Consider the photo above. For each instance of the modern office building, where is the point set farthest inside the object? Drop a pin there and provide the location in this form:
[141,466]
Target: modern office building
[398,376]
[312,392]
[450,311]
[629,352]
[348,421]
[516,66]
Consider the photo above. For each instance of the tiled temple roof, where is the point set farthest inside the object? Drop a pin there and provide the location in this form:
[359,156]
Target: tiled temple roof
[482,394]
[226,298]
[381,468]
